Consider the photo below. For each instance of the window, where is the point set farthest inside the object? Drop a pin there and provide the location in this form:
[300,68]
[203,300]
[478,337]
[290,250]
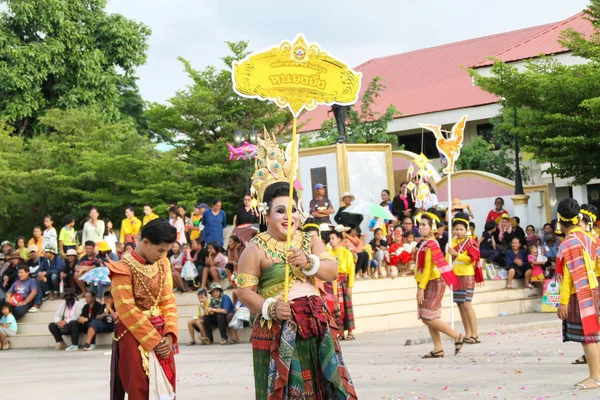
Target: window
[486,131]
[413,143]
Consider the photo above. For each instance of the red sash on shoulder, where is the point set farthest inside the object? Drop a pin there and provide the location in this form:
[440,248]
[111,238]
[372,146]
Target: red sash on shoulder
[470,246]
[438,259]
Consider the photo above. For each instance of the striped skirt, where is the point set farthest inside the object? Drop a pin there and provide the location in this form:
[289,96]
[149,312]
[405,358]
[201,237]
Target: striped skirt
[431,308]
[572,326]
[343,311]
[466,288]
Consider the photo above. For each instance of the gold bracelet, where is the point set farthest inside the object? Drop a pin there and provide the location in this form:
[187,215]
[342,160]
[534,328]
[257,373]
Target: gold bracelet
[327,256]
[245,280]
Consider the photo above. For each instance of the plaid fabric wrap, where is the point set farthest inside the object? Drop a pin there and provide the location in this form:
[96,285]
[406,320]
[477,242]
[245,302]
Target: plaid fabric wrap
[344,314]
[299,359]
[571,256]
[572,326]
[465,289]
[431,308]
[438,259]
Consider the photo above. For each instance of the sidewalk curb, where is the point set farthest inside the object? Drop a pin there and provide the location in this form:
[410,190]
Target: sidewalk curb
[523,326]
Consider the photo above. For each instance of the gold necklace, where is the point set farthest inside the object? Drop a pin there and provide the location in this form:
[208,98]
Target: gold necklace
[276,249]
[135,267]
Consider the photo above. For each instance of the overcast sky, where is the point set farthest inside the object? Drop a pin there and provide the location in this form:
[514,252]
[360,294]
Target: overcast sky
[352,30]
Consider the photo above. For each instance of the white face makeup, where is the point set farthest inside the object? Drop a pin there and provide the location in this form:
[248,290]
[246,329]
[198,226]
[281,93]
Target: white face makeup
[277,218]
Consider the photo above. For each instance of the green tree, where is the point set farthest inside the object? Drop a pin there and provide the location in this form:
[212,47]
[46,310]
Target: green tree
[64,54]
[558,105]
[84,161]
[480,155]
[364,125]
[204,116]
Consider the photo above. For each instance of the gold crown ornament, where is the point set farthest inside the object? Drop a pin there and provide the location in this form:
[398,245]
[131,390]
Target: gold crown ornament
[272,165]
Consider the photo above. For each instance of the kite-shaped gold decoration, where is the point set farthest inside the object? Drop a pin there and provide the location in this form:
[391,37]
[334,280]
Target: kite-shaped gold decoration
[421,161]
[297,75]
[450,146]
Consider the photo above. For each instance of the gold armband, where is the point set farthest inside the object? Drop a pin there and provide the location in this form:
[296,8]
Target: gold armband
[244,280]
[327,256]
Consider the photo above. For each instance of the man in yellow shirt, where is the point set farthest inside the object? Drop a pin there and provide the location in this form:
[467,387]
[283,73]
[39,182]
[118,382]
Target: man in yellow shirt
[148,215]
[130,227]
[341,288]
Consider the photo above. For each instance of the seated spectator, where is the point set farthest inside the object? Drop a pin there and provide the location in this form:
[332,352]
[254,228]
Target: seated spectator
[3,267]
[218,314]
[234,251]
[194,324]
[65,320]
[176,268]
[8,326]
[550,249]
[498,211]
[67,276]
[103,323]
[22,247]
[380,247]
[215,264]
[458,206]
[10,273]
[129,247]
[473,232]
[344,218]
[7,247]
[505,233]
[51,267]
[537,272]
[354,242]
[37,239]
[199,253]
[86,263]
[517,265]
[34,262]
[22,293]
[530,237]
[519,232]
[548,229]
[487,244]
[98,277]
[89,312]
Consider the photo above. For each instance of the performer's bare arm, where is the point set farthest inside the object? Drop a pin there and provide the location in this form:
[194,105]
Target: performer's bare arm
[250,263]
[328,271]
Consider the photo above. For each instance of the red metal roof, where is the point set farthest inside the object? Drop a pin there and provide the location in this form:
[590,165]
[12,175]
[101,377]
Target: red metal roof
[433,79]
[545,42]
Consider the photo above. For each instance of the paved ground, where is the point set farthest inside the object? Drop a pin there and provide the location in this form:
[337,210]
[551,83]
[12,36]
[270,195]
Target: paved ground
[521,357]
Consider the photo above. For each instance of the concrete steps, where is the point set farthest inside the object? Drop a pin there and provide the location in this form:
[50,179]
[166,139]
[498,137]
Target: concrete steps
[379,304]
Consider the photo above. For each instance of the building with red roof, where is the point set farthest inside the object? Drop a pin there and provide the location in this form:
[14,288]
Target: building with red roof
[433,86]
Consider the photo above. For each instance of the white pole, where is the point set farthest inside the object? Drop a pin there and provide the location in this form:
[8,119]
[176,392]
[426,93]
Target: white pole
[449,245]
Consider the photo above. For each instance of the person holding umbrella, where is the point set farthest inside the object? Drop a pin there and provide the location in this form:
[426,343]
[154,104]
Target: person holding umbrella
[347,218]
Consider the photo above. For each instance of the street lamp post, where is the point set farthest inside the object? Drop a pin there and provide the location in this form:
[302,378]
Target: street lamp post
[239,136]
[520,199]
[518,178]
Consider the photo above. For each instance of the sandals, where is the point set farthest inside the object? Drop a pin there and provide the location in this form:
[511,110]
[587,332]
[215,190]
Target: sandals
[581,385]
[341,337]
[510,286]
[350,337]
[231,341]
[224,342]
[191,344]
[459,344]
[204,341]
[580,361]
[472,340]
[437,354]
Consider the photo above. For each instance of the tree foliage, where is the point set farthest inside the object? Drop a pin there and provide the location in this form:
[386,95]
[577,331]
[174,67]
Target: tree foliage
[204,116]
[363,125]
[84,161]
[479,155]
[64,54]
[558,105]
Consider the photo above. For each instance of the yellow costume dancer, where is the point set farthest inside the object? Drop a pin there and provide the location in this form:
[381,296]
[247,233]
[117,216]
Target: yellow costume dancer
[296,355]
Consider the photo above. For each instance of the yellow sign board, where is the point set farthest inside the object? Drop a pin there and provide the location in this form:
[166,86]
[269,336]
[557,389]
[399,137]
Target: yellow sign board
[297,75]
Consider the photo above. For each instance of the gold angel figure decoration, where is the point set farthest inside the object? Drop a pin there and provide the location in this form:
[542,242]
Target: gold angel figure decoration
[449,147]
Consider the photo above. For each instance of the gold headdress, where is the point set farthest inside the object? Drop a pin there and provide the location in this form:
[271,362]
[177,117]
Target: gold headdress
[434,220]
[272,165]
